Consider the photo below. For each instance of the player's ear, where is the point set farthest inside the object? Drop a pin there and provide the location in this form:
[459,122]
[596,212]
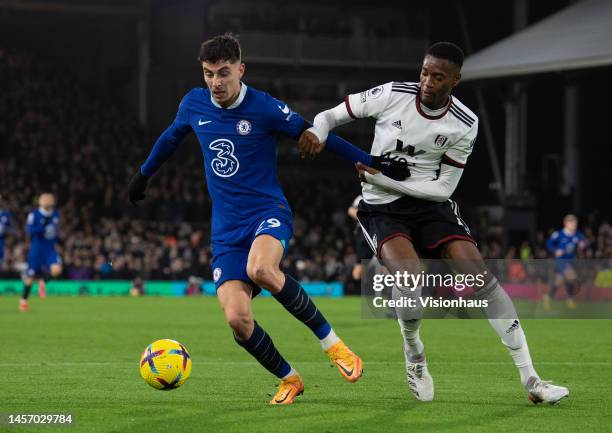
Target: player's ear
[457,79]
[241,69]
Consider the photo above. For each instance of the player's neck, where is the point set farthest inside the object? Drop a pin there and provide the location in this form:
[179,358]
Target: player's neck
[436,106]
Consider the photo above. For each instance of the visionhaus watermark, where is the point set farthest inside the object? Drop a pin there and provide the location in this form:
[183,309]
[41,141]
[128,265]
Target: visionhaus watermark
[462,289]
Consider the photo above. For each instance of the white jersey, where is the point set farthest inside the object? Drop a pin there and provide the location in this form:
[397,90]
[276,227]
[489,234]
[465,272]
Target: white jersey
[404,130]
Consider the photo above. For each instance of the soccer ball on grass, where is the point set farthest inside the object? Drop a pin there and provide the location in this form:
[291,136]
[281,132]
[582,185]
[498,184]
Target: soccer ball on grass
[165,364]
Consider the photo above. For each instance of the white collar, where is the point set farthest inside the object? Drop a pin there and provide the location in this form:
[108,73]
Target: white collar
[44,212]
[436,112]
[237,102]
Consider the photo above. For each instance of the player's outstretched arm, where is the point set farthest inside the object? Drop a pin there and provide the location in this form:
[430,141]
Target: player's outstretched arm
[438,190]
[394,169]
[163,148]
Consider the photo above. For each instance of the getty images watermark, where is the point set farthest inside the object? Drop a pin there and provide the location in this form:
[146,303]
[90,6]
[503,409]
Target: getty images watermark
[538,288]
[409,285]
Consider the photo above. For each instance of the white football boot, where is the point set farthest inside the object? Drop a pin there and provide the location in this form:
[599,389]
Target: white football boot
[419,380]
[542,391]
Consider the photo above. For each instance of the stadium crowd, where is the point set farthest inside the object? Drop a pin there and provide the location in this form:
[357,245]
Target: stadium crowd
[72,141]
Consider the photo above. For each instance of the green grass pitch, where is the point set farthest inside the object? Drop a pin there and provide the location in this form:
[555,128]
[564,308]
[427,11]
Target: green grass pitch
[80,355]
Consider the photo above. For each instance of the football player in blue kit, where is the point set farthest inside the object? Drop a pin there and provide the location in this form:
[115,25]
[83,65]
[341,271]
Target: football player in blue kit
[564,245]
[236,126]
[43,260]
[5,224]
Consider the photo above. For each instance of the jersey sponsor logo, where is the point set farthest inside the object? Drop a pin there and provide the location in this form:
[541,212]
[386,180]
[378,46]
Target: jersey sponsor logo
[225,164]
[50,232]
[440,140]
[243,127]
[203,122]
[375,92]
[397,124]
[216,274]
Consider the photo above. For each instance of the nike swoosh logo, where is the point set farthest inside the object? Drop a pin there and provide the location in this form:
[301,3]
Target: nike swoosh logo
[348,373]
[282,399]
[203,122]
[285,110]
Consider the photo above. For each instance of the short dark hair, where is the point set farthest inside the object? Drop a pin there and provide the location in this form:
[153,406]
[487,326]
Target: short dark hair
[221,48]
[448,51]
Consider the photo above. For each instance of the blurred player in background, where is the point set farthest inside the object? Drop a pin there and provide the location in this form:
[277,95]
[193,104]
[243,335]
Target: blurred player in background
[43,260]
[5,223]
[236,126]
[421,123]
[565,245]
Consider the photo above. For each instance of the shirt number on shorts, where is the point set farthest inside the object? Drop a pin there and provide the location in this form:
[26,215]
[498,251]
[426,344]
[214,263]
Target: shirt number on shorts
[270,223]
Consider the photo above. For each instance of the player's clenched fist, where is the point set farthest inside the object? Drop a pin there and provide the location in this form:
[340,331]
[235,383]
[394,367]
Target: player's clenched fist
[309,145]
[137,187]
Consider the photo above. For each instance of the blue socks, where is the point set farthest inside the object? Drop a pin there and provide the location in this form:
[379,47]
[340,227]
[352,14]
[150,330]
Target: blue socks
[298,303]
[261,346]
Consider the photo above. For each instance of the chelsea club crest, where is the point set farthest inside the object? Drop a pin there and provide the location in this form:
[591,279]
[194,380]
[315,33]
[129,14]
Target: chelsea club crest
[243,127]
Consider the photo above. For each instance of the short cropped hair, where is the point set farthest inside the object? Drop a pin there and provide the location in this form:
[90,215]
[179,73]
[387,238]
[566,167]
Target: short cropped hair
[221,48]
[570,217]
[447,51]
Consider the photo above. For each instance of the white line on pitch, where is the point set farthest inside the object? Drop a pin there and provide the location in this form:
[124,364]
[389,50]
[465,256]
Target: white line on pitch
[125,363]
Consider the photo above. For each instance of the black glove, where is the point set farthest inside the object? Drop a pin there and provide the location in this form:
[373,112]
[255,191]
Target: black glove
[395,169]
[137,187]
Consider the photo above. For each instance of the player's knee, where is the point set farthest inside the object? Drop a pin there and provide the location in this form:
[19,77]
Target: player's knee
[264,275]
[56,271]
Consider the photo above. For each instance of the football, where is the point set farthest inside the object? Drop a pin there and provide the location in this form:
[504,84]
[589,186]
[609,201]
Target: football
[165,364]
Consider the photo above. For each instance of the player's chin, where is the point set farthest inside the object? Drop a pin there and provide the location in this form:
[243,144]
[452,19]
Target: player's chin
[220,97]
[428,98]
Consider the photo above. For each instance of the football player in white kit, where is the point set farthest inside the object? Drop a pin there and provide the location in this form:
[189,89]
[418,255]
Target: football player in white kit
[434,132]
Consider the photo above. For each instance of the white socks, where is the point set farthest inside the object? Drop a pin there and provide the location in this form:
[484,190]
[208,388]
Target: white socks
[503,318]
[410,332]
[292,372]
[330,340]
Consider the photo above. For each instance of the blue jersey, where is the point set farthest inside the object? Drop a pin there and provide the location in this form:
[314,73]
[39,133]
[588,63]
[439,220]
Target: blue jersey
[43,229]
[5,222]
[239,148]
[568,243]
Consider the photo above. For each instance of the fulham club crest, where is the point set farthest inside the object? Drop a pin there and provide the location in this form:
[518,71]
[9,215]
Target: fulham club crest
[440,140]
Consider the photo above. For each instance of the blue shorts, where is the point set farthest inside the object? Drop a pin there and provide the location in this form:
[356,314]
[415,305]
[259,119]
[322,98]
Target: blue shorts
[563,265]
[230,261]
[38,263]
